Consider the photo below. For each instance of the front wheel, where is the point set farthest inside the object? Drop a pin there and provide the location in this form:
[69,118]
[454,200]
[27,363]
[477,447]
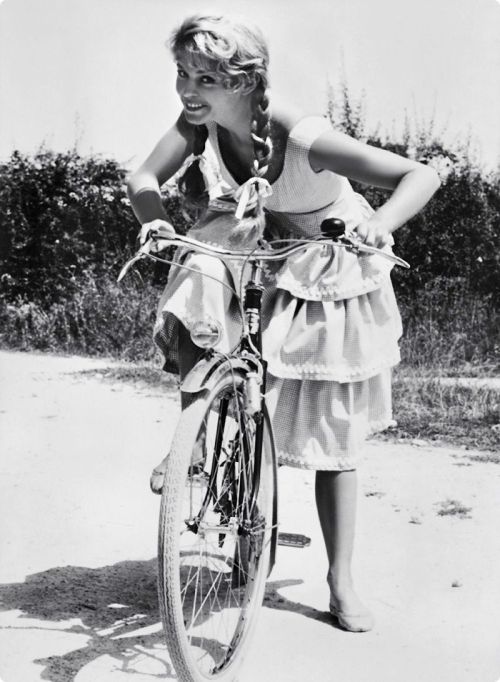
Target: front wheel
[216,531]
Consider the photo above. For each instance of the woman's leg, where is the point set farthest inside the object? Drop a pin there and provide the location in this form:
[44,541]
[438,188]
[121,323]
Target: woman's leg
[188,355]
[336,497]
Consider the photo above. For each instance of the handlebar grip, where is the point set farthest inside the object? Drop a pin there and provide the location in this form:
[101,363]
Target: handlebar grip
[333,227]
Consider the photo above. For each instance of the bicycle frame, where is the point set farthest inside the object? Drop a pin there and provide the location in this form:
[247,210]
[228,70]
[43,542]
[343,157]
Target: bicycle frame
[246,359]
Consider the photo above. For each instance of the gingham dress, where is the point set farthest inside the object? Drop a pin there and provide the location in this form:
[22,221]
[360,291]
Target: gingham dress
[330,319]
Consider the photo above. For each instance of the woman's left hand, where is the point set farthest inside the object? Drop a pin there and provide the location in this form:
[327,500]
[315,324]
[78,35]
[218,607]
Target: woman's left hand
[374,233]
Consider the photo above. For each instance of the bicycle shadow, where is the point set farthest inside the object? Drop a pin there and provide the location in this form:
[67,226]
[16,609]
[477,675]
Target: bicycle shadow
[116,609]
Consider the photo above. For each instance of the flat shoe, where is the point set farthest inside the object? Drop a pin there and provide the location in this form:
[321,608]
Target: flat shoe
[157,476]
[361,622]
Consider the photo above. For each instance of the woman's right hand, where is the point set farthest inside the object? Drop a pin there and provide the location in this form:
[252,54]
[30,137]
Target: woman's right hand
[156,228]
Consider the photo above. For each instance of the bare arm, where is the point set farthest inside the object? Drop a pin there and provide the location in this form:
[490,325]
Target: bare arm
[413,184]
[164,161]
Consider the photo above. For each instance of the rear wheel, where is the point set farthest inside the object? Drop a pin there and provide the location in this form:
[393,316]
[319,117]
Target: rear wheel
[216,531]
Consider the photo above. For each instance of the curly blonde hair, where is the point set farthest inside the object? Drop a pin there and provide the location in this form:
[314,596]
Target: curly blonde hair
[238,53]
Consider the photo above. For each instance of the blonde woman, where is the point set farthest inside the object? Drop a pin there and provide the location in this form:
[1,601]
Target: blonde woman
[331,319]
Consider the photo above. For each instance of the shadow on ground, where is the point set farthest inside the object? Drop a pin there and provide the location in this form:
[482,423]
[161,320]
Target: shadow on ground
[112,606]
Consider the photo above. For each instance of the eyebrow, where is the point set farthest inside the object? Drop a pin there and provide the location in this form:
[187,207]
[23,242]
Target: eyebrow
[206,72]
[184,66]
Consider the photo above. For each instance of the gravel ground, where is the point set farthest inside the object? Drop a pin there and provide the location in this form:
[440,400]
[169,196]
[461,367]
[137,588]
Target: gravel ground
[78,539]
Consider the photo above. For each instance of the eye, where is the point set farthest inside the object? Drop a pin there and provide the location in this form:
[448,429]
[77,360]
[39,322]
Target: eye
[181,73]
[208,80]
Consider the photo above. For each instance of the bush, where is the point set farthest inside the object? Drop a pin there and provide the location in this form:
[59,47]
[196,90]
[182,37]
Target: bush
[66,229]
[458,233]
[450,298]
[63,216]
[448,326]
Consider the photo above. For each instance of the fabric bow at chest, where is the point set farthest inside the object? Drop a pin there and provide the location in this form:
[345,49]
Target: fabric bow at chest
[251,193]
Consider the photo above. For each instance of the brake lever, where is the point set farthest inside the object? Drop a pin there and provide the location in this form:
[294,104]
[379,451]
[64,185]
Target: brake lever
[145,251]
[357,246]
[142,253]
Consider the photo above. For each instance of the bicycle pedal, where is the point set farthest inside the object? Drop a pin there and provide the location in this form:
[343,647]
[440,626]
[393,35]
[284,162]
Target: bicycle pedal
[293,540]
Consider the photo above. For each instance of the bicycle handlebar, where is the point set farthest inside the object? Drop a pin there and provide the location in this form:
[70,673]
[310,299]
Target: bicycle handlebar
[265,252]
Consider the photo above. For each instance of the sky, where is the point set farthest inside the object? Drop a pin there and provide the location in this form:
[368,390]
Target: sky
[96,74]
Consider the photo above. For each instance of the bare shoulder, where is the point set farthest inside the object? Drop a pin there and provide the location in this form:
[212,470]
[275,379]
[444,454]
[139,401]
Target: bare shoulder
[285,116]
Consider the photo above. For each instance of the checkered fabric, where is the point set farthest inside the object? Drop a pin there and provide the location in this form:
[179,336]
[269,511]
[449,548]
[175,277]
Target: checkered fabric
[330,319]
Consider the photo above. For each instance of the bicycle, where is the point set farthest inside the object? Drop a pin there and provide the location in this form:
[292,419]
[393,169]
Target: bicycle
[218,526]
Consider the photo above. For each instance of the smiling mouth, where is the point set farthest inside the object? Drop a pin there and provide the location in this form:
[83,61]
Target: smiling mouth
[193,107]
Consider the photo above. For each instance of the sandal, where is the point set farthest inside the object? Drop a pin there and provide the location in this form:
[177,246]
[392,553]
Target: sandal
[198,462]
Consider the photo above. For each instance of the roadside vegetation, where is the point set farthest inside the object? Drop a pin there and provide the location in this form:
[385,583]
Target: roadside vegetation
[66,227]
[433,410]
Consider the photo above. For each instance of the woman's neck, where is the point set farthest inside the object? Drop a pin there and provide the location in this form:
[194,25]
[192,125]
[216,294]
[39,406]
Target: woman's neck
[238,125]
[237,138]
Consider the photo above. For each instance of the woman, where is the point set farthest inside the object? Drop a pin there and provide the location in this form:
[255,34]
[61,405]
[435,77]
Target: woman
[331,320]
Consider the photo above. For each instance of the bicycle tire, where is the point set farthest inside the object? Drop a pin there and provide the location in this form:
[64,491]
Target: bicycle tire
[210,592]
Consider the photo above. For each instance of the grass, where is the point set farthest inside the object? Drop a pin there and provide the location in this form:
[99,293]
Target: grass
[485,457]
[450,330]
[138,375]
[101,318]
[428,409]
[454,508]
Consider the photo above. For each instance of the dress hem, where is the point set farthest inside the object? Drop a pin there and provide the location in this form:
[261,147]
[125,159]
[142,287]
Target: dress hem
[313,371]
[342,462]
[327,465]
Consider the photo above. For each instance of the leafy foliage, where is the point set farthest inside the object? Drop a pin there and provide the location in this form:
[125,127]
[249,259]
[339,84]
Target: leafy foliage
[100,317]
[66,227]
[450,298]
[457,235]
[62,217]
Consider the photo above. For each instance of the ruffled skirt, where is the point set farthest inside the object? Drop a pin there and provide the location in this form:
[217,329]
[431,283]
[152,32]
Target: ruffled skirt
[330,336]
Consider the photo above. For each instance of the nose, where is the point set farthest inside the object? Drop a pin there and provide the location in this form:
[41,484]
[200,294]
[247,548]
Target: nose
[186,87]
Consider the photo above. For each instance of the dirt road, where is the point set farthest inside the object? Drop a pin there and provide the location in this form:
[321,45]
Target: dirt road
[78,536]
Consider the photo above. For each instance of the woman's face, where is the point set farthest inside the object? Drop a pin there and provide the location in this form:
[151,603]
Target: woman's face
[204,95]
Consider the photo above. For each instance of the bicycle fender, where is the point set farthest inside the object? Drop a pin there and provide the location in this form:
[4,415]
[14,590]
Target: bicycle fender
[207,372]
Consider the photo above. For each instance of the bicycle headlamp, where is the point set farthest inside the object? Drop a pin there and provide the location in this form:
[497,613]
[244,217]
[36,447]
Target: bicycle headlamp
[205,333]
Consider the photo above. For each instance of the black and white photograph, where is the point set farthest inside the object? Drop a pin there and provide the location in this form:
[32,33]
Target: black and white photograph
[249,340]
